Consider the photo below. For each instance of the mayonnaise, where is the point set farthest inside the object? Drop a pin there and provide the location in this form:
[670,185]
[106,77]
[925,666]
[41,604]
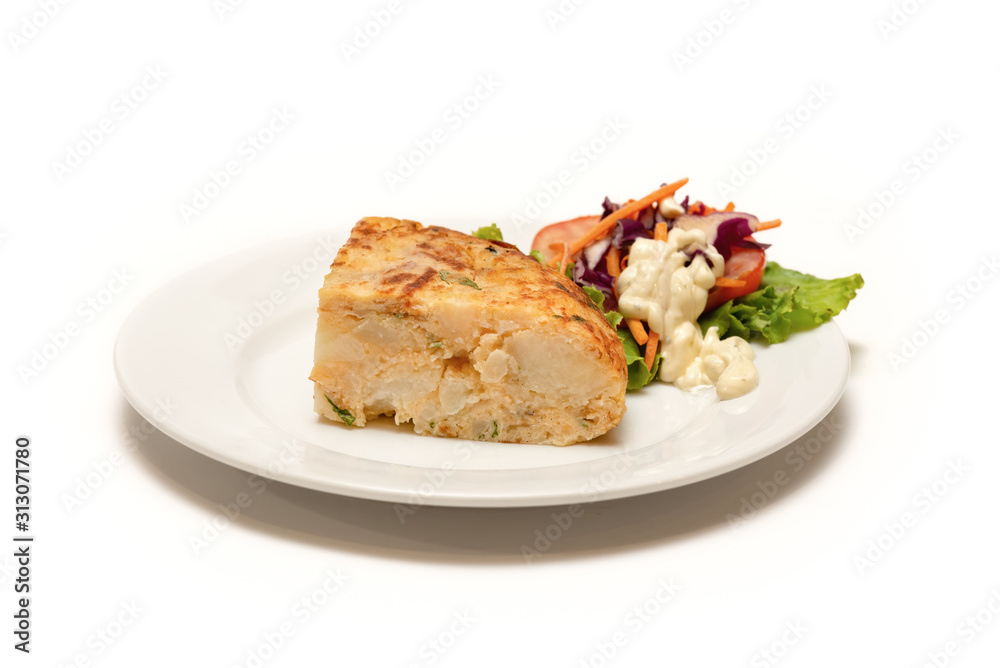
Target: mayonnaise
[669,208]
[657,287]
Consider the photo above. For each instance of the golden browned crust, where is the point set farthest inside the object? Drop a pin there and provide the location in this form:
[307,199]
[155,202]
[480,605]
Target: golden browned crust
[409,268]
[436,280]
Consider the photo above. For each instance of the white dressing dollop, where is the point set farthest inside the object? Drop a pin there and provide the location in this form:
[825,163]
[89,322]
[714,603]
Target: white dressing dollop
[669,208]
[667,288]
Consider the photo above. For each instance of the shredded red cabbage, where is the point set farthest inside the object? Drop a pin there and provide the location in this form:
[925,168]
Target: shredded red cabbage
[648,218]
[695,253]
[626,231]
[750,243]
[730,231]
[598,278]
[609,208]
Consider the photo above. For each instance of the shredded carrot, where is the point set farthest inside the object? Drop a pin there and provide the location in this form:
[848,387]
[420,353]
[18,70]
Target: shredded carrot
[699,208]
[614,268]
[768,224]
[651,345]
[608,223]
[638,331]
[660,231]
[730,207]
[624,262]
[723,282]
[558,252]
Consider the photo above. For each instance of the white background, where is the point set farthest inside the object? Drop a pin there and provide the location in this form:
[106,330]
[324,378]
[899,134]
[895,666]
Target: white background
[799,561]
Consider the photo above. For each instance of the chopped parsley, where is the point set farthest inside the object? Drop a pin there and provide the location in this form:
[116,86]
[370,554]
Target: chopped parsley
[461,280]
[344,415]
[485,435]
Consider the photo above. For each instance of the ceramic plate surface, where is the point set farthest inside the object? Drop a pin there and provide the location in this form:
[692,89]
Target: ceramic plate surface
[226,350]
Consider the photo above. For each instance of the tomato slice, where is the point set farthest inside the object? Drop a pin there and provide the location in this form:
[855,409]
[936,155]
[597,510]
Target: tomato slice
[745,264]
[565,232]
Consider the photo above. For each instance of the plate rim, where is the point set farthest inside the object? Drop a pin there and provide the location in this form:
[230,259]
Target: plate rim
[444,496]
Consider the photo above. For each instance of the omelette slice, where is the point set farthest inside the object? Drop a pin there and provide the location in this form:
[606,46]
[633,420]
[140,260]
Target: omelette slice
[464,337]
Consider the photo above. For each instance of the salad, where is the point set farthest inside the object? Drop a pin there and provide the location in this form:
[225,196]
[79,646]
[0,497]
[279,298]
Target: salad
[687,286]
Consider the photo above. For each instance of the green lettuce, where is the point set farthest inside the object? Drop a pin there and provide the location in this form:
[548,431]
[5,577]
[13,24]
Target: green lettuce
[491,233]
[787,301]
[639,375]
[596,296]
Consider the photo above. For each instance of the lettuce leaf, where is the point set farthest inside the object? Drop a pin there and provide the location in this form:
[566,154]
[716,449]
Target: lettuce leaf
[638,375]
[596,296]
[491,233]
[788,301]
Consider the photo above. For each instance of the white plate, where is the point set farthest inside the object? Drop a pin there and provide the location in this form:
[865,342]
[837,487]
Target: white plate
[226,350]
